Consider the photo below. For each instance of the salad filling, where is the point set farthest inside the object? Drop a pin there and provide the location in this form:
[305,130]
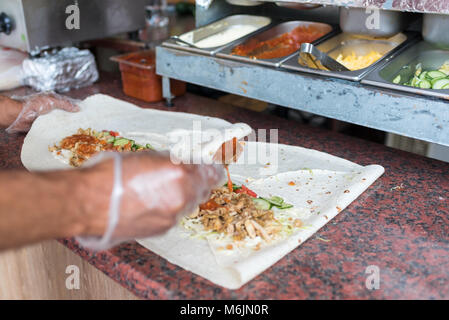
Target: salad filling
[240,214]
[86,143]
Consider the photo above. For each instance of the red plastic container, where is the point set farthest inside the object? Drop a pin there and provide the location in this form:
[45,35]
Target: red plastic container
[139,78]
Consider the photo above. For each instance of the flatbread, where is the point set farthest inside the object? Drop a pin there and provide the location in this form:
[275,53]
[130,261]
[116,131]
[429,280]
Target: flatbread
[324,186]
[183,134]
[265,168]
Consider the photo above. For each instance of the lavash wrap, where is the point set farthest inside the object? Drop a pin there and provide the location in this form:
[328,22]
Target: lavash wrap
[314,174]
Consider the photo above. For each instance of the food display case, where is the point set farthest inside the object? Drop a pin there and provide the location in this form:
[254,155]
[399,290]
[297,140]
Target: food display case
[366,54]
[217,35]
[277,44]
[365,96]
[421,69]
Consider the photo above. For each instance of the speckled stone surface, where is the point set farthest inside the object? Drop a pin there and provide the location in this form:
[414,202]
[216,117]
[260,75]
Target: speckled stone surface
[404,231]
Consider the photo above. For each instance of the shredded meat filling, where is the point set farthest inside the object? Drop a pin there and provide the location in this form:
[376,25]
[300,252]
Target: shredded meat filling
[236,214]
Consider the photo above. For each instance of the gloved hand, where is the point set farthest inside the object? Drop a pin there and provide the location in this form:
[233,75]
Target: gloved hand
[149,194]
[38,104]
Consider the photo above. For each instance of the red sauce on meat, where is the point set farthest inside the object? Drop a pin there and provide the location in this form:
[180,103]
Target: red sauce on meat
[209,205]
[69,142]
[87,145]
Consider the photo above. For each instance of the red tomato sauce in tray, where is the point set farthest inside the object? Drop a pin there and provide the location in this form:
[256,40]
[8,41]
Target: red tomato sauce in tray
[278,47]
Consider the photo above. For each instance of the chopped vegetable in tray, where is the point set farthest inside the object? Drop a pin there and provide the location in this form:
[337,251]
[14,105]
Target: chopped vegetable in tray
[428,79]
[357,62]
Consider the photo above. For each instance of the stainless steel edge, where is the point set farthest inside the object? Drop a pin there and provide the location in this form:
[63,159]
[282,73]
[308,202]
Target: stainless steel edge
[226,52]
[375,79]
[170,43]
[292,62]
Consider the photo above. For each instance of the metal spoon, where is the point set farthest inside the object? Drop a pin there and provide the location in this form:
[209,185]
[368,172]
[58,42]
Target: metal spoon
[310,54]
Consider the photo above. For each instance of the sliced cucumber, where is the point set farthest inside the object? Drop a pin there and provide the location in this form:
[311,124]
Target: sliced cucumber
[440,84]
[121,142]
[397,79]
[415,82]
[436,74]
[424,84]
[423,75]
[262,204]
[446,87]
[286,206]
[136,147]
[418,69]
[433,81]
[276,201]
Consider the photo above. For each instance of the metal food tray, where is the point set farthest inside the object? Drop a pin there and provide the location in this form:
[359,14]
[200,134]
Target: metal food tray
[434,29]
[423,52]
[272,33]
[346,44]
[215,27]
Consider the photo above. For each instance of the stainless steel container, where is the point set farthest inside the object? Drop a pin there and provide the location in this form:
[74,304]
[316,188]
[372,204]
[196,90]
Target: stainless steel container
[435,29]
[272,33]
[360,21]
[346,44]
[430,57]
[257,23]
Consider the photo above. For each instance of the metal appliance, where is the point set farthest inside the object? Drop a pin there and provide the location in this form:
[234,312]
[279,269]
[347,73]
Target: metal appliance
[330,94]
[34,25]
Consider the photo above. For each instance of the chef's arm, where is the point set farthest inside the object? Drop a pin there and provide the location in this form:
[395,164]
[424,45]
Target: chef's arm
[35,207]
[19,114]
[9,110]
[155,192]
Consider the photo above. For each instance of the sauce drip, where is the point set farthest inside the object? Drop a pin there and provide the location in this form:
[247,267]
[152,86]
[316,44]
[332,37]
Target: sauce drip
[224,160]
[230,188]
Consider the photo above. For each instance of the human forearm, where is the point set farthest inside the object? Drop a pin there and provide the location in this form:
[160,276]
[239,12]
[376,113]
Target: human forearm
[150,194]
[19,115]
[35,207]
[9,110]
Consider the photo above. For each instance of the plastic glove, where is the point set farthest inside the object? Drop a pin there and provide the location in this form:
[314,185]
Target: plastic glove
[38,104]
[149,194]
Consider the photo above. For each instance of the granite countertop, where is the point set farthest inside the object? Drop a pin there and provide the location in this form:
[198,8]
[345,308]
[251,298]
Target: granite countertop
[400,224]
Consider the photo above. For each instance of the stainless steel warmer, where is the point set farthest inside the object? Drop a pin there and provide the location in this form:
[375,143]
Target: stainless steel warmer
[33,25]
[193,37]
[430,57]
[274,32]
[346,44]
